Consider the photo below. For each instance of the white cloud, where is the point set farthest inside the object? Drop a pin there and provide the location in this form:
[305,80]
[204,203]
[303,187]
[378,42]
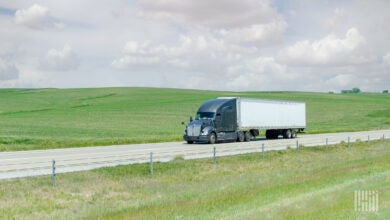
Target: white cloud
[217,14]
[260,33]
[259,74]
[8,70]
[136,54]
[221,44]
[250,21]
[194,53]
[330,50]
[341,81]
[35,17]
[386,58]
[62,60]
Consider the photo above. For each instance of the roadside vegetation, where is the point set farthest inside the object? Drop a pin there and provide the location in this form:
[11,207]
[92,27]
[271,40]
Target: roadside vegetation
[312,183]
[58,118]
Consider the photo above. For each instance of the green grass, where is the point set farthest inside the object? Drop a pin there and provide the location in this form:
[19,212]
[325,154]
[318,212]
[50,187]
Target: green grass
[57,118]
[313,183]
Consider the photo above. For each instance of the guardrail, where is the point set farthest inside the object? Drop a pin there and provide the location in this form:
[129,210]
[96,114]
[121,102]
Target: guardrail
[35,166]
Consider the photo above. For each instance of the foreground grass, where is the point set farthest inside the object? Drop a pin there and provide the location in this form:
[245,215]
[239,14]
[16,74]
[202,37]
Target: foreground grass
[313,183]
[58,118]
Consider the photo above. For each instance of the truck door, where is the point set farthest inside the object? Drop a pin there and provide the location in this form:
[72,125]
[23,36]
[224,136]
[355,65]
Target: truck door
[228,119]
[218,122]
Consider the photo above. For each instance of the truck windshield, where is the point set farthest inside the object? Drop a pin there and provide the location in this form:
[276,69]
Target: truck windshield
[204,115]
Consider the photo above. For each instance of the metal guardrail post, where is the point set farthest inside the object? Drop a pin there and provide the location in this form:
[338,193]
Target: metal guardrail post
[214,156]
[297,145]
[151,163]
[53,177]
[326,142]
[262,150]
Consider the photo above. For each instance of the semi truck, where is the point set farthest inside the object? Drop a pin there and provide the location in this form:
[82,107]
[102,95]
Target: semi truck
[240,119]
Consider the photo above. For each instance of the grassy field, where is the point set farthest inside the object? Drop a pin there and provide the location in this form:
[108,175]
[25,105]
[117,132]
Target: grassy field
[313,183]
[57,118]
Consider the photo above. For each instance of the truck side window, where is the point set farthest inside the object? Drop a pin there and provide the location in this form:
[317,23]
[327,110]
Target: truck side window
[228,108]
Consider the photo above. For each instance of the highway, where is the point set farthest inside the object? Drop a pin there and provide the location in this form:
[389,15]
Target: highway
[21,164]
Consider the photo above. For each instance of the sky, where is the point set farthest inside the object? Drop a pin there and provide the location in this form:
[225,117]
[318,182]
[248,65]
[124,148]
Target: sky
[231,45]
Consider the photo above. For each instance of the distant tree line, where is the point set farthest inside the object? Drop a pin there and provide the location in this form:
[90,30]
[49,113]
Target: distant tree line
[354,90]
[357,90]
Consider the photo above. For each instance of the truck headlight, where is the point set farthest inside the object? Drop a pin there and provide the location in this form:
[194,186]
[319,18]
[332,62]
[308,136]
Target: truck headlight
[205,132]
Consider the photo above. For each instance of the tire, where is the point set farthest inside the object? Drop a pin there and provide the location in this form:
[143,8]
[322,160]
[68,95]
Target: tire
[254,132]
[190,142]
[241,136]
[293,134]
[248,136]
[287,134]
[212,138]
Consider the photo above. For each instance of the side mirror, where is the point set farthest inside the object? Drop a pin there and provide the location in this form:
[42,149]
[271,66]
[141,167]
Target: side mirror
[191,119]
[182,122]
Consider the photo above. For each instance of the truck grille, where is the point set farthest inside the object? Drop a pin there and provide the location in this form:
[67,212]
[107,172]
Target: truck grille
[193,130]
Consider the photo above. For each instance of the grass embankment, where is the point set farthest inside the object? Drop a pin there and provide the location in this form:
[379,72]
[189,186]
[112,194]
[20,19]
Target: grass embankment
[57,118]
[312,183]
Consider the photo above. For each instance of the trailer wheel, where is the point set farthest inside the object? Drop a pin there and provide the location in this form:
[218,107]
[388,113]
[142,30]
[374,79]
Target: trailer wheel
[241,136]
[293,134]
[287,134]
[247,136]
[212,138]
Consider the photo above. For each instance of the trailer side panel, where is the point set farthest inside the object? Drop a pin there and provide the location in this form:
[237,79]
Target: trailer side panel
[270,114]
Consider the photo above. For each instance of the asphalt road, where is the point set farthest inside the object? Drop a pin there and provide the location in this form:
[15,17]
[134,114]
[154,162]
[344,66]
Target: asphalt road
[39,162]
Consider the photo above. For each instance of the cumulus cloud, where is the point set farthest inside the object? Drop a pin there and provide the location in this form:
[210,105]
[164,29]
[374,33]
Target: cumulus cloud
[62,60]
[240,21]
[330,50]
[221,44]
[202,60]
[192,52]
[260,33]
[259,73]
[8,70]
[37,17]
[386,58]
[143,54]
[341,80]
[218,13]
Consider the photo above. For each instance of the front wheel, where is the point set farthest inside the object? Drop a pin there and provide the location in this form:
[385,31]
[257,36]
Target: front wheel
[190,142]
[212,138]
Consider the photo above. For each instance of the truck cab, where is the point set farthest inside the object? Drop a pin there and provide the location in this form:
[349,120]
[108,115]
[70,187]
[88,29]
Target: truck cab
[216,120]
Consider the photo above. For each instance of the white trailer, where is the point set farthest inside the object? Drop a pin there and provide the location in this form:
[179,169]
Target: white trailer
[270,114]
[233,118]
